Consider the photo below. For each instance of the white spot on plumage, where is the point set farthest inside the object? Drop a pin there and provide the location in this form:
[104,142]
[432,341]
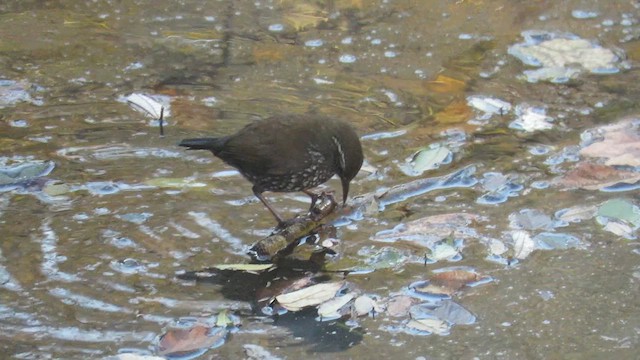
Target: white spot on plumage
[343,162]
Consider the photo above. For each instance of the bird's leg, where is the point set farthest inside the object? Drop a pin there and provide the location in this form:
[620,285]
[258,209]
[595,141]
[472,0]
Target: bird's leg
[314,197]
[258,194]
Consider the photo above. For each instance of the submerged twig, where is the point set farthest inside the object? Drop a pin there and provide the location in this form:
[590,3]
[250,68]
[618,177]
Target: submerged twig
[288,236]
[161,121]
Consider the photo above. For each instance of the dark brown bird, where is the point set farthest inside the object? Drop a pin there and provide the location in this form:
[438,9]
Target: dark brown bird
[289,153]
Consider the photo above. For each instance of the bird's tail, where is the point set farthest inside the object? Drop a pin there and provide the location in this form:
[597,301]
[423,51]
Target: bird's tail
[212,144]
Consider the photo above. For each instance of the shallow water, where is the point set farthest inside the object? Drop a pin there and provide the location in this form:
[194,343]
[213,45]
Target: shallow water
[95,248]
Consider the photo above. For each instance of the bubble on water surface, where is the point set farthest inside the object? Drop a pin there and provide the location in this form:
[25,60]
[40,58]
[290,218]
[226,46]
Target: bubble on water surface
[136,218]
[20,123]
[584,14]
[276,27]
[314,43]
[347,58]
[127,266]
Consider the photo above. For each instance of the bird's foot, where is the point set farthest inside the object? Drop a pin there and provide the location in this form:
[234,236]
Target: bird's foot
[324,205]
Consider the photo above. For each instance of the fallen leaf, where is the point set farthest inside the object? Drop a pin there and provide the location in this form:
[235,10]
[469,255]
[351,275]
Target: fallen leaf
[619,228]
[304,15]
[415,87]
[531,118]
[497,247]
[309,296]
[433,228]
[620,144]
[442,250]
[266,295]
[577,213]
[434,289]
[446,310]
[273,52]
[387,257]
[56,189]
[329,309]
[454,113]
[446,282]
[523,244]
[435,326]
[250,268]
[428,159]
[621,210]
[446,84]
[561,57]
[530,219]
[180,341]
[453,279]
[223,319]
[454,313]
[595,177]
[363,305]
[550,241]
[488,106]
[399,305]
[148,104]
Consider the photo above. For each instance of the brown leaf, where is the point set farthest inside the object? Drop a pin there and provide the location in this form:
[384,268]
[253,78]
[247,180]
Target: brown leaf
[399,305]
[271,52]
[177,341]
[453,280]
[594,177]
[414,87]
[620,144]
[446,84]
[455,113]
[436,225]
[301,16]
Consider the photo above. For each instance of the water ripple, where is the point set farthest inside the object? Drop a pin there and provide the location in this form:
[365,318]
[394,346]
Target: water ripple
[50,255]
[7,281]
[70,298]
[211,225]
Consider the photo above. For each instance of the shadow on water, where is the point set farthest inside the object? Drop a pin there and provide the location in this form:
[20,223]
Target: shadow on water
[260,290]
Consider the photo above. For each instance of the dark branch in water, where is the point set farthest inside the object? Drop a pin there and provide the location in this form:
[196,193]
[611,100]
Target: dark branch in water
[286,237]
[161,120]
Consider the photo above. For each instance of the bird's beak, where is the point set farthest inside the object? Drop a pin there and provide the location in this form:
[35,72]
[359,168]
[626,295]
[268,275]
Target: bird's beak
[345,190]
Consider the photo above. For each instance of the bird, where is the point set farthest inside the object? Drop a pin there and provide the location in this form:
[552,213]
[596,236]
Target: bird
[289,153]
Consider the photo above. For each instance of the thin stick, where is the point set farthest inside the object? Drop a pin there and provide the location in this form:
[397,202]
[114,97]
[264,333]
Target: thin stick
[161,120]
